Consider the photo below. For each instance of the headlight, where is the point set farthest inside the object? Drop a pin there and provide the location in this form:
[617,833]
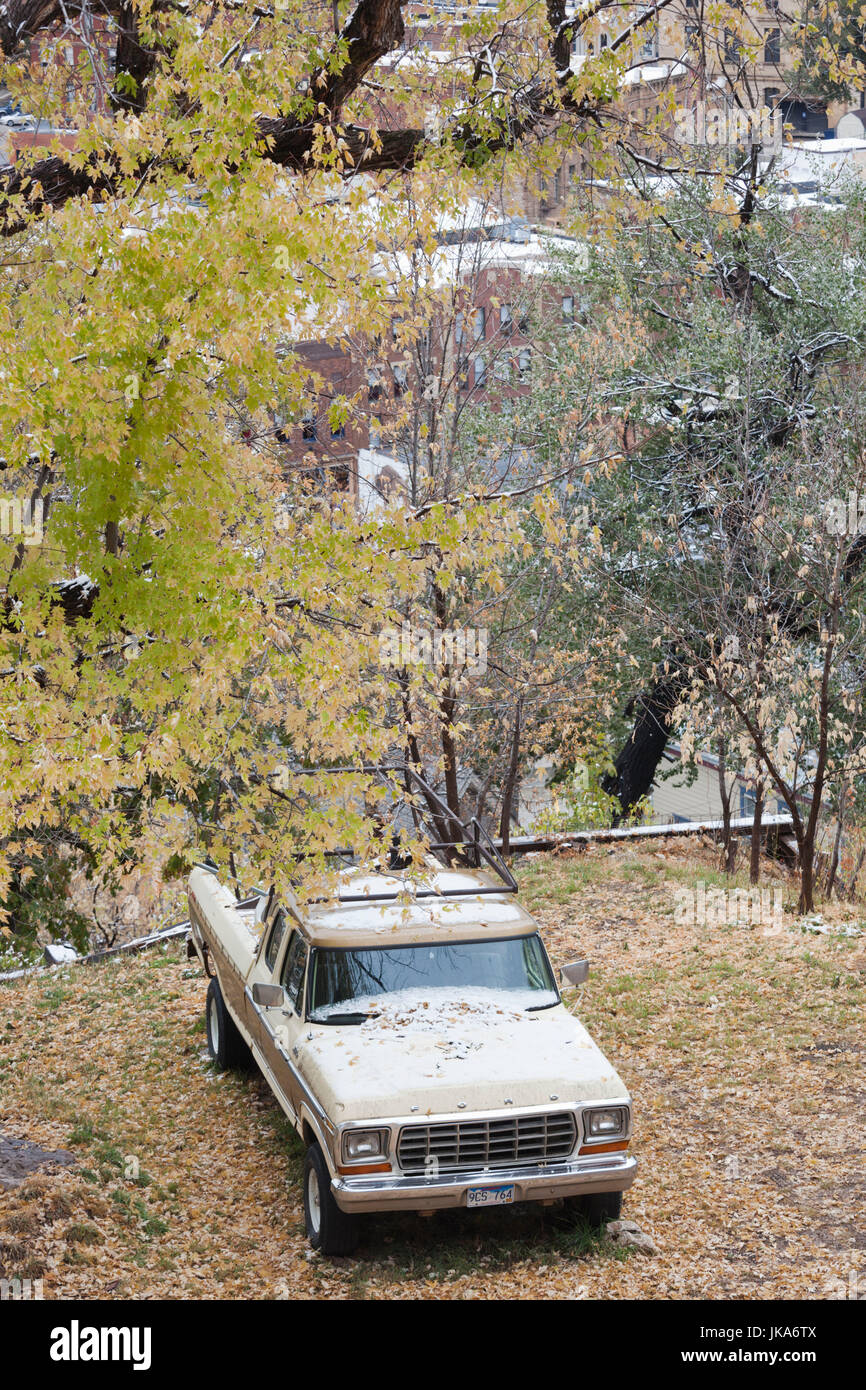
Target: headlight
[607,1124]
[364,1145]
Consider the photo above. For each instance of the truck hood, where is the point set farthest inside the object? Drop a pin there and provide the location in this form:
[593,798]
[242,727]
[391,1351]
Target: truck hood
[435,1062]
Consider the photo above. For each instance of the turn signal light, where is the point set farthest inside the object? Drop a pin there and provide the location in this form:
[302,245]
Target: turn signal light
[603,1148]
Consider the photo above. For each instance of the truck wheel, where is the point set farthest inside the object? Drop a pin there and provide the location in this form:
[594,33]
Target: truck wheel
[329,1230]
[224,1041]
[598,1207]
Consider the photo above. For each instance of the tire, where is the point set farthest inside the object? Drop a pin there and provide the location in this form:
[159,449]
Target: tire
[597,1208]
[329,1230]
[225,1043]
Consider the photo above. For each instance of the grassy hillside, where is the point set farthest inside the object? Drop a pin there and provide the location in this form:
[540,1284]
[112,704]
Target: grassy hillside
[743,1051]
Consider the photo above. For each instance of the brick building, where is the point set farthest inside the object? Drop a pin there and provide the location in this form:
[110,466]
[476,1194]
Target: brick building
[499,288]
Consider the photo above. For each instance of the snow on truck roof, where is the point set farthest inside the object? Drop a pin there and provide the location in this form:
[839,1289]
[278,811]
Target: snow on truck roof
[412,920]
[371,907]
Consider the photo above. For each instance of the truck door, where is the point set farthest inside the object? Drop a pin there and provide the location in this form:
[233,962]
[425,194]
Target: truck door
[293,978]
[262,971]
[275,1030]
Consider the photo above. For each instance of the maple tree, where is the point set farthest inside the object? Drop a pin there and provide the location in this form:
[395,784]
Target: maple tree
[191,620]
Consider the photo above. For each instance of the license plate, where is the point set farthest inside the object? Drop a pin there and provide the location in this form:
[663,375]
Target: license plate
[490,1196]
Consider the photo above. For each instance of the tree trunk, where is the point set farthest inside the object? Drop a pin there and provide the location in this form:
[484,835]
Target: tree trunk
[511,779]
[807,873]
[447,711]
[638,760]
[837,840]
[852,887]
[728,842]
[755,846]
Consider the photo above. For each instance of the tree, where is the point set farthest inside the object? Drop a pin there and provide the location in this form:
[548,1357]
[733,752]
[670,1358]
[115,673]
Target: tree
[194,620]
[520,86]
[762,605]
[746,336]
[827,51]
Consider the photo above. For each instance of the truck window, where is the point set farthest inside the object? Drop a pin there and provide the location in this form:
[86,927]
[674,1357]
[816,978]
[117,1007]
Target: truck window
[278,931]
[294,967]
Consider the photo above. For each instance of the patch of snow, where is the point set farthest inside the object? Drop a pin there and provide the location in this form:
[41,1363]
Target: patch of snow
[816,923]
[436,1010]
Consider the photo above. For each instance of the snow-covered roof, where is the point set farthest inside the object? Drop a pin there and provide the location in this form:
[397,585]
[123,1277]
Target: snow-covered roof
[651,72]
[410,920]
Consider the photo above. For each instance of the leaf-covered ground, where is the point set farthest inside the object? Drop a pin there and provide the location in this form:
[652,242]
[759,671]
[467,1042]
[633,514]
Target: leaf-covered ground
[743,1051]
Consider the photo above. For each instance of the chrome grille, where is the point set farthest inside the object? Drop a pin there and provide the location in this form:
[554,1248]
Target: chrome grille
[487,1143]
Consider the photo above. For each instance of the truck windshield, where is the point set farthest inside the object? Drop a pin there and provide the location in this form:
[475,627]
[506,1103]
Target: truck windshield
[340,978]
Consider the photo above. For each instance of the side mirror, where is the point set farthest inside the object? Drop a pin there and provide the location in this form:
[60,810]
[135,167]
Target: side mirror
[576,973]
[269,996]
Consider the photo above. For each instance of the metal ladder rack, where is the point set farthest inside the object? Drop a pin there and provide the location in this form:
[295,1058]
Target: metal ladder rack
[470,847]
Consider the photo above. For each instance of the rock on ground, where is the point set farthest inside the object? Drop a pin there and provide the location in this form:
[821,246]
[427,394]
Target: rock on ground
[18,1158]
[630,1234]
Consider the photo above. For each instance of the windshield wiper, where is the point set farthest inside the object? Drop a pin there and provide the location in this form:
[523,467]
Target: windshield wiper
[343,1018]
[534,1008]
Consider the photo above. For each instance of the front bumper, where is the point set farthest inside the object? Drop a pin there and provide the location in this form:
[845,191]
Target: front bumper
[383,1192]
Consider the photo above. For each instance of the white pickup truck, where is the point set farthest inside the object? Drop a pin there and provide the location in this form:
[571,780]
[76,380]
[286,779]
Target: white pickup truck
[418,1044]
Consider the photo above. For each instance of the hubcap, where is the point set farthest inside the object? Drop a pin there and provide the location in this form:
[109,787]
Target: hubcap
[214,1027]
[314,1201]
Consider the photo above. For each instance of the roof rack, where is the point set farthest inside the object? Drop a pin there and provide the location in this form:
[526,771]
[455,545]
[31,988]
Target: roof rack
[456,842]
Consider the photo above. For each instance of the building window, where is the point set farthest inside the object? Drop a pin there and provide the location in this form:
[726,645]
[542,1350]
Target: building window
[374,384]
[463,374]
[650,47]
[401,379]
[732,47]
[603,41]
[505,318]
[458,328]
[309,428]
[771,97]
[480,371]
[691,31]
[480,322]
[568,308]
[502,369]
[524,362]
[773,46]
[338,431]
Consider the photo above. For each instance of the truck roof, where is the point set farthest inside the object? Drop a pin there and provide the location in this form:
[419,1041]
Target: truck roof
[458,905]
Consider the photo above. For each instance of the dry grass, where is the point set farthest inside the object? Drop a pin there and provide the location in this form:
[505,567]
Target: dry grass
[743,1051]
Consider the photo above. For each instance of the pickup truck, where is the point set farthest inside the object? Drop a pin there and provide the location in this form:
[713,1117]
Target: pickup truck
[418,1044]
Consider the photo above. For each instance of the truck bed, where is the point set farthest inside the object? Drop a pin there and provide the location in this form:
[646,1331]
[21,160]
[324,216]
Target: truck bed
[231,932]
